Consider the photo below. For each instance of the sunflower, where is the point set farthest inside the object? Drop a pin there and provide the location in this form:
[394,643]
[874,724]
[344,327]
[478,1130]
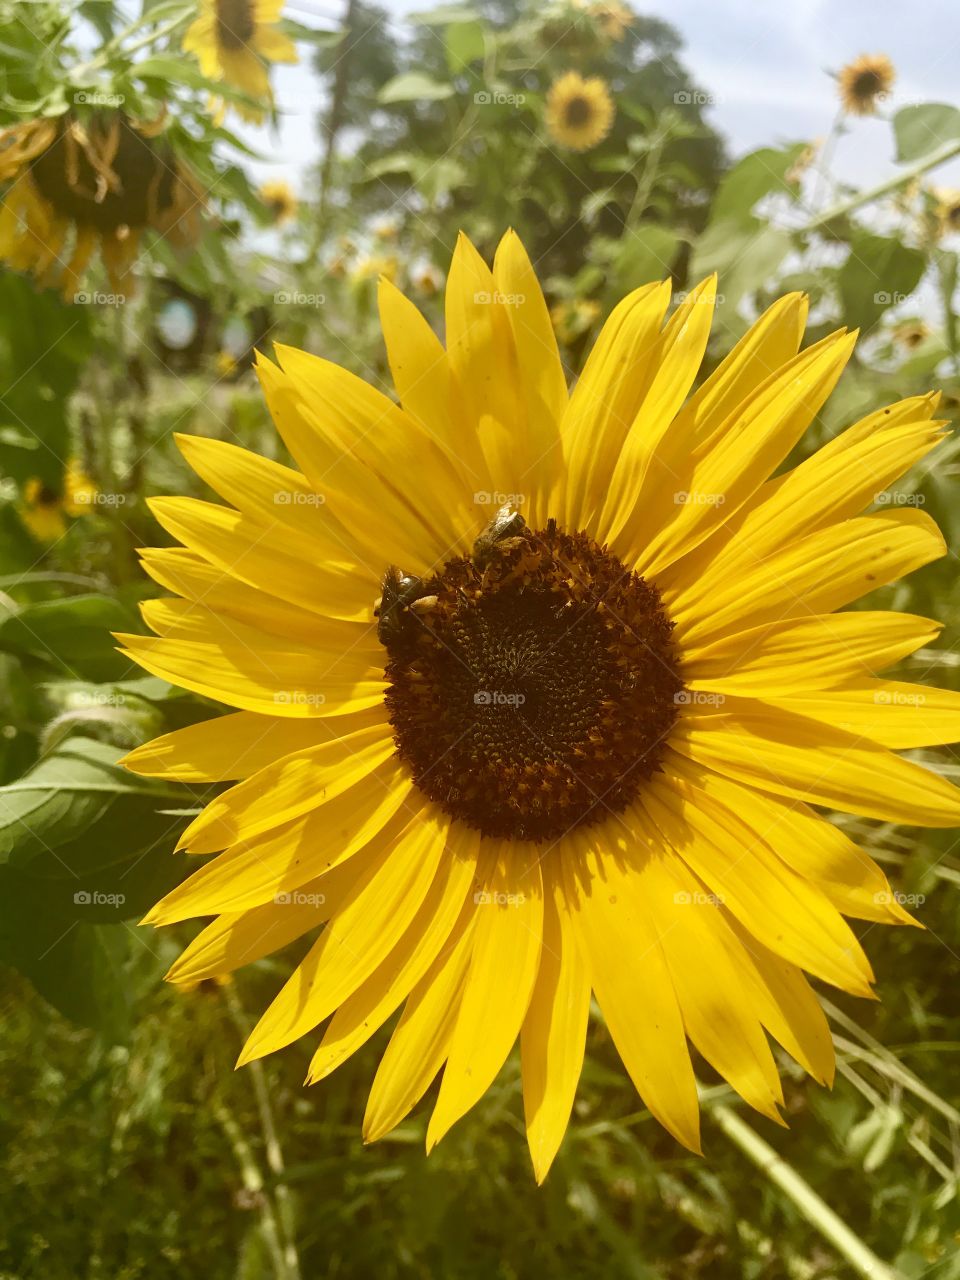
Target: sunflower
[75,183]
[612,18]
[865,82]
[947,209]
[44,511]
[279,201]
[234,40]
[580,743]
[579,112]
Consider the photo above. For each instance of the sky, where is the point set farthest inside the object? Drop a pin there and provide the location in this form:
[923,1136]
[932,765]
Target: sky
[765,64]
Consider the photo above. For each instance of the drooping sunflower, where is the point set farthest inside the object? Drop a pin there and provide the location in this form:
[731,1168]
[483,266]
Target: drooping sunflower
[577,744]
[947,209]
[78,183]
[279,200]
[579,111]
[43,510]
[865,82]
[234,41]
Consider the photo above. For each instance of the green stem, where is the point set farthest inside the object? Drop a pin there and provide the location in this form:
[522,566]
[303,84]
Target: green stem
[253,1183]
[815,1210]
[861,198]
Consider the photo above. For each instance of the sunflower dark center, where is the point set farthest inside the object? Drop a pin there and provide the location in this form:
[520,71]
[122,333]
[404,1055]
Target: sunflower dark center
[868,84]
[108,176]
[578,111]
[235,24]
[532,686]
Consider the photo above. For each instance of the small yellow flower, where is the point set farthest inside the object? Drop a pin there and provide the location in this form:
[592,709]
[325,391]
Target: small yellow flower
[279,200]
[234,41]
[613,19]
[79,492]
[865,82]
[41,511]
[573,317]
[374,265]
[579,112]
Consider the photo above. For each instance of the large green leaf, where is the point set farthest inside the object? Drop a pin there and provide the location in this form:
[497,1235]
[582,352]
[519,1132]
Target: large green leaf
[923,128]
[761,173]
[71,634]
[880,272]
[414,86]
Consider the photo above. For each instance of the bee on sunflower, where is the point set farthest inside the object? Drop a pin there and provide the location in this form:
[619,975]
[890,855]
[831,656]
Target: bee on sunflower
[235,41]
[580,742]
[78,184]
[579,112]
[864,83]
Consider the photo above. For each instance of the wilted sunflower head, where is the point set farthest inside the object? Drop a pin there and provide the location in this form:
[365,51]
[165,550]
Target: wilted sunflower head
[279,200]
[234,41]
[539,693]
[76,183]
[579,112]
[865,82]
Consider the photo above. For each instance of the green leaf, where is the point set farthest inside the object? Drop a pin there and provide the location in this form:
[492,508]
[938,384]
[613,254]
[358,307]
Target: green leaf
[745,258]
[880,272]
[78,968]
[71,634]
[923,128]
[761,173]
[465,42]
[414,86]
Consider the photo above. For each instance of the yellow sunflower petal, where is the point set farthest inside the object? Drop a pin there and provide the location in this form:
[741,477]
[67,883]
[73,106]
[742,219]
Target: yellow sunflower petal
[419,1045]
[499,984]
[809,760]
[620,939]
[287,788]
[435,931]
[786,912]
[891,712]
[807,654]
[554,1032]
[370,921]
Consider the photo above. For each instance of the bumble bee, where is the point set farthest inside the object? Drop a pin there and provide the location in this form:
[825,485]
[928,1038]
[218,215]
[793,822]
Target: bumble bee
[404,598]
[506,524]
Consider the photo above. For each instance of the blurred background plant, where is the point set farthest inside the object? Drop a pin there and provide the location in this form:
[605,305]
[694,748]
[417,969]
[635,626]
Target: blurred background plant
[145,260]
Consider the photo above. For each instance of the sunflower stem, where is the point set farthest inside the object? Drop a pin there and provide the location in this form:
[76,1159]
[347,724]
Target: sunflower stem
[271,1143]
[253,1183]
[935,158]
[815,1210]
